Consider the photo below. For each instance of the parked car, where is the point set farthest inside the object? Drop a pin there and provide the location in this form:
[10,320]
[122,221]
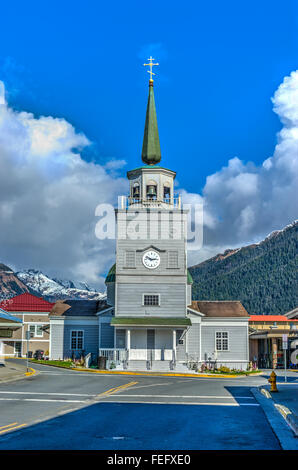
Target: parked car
[39,354]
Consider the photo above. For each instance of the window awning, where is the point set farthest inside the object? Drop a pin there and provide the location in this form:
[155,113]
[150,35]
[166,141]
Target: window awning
[151,321]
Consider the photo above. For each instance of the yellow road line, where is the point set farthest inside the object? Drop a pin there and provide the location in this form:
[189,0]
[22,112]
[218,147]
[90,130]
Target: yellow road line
[116,389]
[30,373]
[8,425]
[13,428]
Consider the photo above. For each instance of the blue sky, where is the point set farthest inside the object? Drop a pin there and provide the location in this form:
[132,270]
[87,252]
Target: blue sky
[220,63]
[226,93]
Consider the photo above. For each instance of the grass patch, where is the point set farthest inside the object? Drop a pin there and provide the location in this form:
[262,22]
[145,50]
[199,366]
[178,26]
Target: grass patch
[65,364]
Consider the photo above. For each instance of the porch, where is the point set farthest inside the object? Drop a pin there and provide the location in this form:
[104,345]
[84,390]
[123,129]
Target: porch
[147,344]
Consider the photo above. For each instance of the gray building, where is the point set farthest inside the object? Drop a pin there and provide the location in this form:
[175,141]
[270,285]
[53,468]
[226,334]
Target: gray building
[149,320]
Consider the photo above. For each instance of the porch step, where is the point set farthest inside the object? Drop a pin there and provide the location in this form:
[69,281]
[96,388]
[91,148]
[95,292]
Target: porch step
[137,365]
[160,366]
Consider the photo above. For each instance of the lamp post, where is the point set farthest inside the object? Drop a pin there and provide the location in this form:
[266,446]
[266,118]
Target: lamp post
[28,336]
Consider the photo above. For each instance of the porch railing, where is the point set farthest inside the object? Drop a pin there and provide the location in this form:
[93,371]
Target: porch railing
[150,354]
[117,355]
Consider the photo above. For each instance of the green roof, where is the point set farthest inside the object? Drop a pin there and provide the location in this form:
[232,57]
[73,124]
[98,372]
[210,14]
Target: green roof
[189,278]
[111,277]
[151,147]
[151,321]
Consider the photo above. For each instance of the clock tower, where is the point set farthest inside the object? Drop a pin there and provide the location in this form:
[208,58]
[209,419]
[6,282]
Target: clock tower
[149,284]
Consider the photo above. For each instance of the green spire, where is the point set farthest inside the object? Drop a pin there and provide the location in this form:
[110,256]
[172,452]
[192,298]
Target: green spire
[151,148]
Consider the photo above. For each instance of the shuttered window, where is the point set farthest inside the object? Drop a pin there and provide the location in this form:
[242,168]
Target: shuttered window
[130,259]
[172,259]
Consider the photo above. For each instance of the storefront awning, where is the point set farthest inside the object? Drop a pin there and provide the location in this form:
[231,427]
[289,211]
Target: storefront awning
[151,321]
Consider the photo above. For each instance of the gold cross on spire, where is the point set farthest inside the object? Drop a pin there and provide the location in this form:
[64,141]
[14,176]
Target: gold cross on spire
[151,65]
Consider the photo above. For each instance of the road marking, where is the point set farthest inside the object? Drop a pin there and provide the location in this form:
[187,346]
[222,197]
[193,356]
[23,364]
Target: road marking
[182,403]
[42,399]
[188,396]
[153,385]
[8,425]
[51,393]
[13,428]
[116,389]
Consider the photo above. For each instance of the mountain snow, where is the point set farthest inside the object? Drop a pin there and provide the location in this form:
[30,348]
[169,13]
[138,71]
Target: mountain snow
[54,289]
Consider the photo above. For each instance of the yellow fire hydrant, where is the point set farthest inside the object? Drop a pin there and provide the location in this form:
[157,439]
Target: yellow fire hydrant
[272,381]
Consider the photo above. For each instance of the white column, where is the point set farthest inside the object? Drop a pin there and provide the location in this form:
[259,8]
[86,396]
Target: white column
[174,341]
[128,341]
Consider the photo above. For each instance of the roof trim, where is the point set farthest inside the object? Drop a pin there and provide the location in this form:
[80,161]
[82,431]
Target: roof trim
[196,312]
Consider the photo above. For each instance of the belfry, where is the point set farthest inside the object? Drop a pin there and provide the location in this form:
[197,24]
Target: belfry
[149,321]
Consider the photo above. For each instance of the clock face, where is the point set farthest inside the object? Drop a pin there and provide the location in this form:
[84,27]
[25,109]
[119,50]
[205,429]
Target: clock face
[151,259]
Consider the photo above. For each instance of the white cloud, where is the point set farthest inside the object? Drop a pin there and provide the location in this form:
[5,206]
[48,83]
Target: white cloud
[246,202]
[48,198]
[48,194]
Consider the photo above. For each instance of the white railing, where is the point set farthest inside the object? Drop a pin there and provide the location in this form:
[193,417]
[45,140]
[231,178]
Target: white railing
[113,354]
[150,354]
[133,203]
[120,355]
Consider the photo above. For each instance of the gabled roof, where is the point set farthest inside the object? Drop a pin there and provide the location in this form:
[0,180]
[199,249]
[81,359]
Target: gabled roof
[78,308]
[27,303]
[219,308]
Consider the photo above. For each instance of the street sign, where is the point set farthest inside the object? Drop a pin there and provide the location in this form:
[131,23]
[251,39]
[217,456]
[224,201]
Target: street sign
[285,341]
[28,335]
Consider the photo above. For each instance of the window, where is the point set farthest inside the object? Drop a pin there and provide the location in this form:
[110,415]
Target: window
[136,191]
[151,299]
[222,341]
[151,190]
[36,330]
[77,339]
[167,193]
[130,259]
[172,259]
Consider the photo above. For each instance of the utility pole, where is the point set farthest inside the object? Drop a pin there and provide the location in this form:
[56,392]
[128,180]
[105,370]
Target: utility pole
[285,347]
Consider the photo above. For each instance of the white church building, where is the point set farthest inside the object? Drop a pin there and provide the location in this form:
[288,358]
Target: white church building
[149,320]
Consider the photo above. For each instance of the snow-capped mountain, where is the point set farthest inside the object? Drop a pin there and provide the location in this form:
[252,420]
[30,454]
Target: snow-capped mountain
[55,289]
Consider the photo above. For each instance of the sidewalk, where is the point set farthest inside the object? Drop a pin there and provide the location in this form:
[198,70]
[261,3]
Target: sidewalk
[281,409]
[287,395]
[13,371]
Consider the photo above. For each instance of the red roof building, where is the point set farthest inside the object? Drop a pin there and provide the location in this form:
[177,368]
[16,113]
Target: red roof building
[26,303]
[270,318]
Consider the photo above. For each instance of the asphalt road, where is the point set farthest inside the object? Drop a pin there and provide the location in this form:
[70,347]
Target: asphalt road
[61,409]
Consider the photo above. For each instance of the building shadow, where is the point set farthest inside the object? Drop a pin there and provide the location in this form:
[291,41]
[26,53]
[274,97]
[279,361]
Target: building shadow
[142,426]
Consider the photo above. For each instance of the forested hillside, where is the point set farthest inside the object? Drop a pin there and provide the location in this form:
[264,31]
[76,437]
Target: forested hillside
[263,276]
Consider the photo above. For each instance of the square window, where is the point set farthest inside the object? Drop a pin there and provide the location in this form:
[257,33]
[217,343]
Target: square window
[151,299]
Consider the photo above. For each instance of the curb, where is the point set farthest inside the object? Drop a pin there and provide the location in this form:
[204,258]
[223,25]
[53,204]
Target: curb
[290,418]
[22,375]
[280,427]
[165,374]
